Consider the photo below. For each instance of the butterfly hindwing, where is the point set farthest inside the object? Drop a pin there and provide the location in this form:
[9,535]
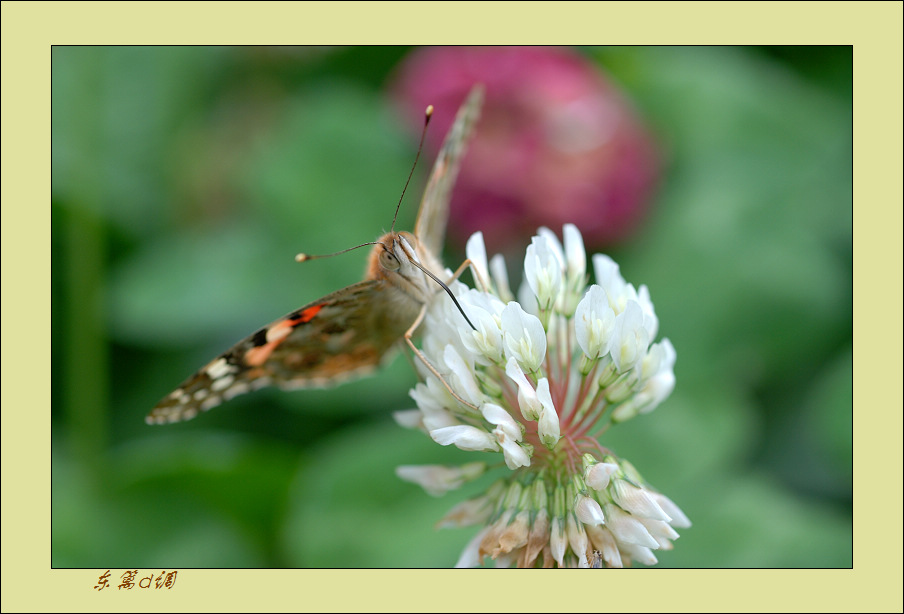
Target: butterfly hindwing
[338,336]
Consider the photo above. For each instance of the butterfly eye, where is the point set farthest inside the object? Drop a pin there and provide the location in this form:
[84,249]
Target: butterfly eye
[389,261]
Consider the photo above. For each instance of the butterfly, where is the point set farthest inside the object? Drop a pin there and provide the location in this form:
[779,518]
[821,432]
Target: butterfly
[346,333]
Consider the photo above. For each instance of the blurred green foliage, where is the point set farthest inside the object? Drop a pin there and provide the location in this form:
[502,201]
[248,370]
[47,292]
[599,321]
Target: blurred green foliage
[186,178]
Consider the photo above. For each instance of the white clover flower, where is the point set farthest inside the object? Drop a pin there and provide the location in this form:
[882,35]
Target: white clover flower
[465,437]
[594,322]
[577,539]
[528,401]
[575,260]
[597,474]
[462,376]
[630,339]
[548,422]
[437,479]
[476,252]
[609,278]
[525,339]
[543,266]
[589,511]
[558,541]
[541,379]
[575,256]
[636,501]
[485,341]
[500,277]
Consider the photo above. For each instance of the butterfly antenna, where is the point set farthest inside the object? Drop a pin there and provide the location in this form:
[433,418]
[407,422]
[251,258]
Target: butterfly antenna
[302,257]
[427,115]
[448,291]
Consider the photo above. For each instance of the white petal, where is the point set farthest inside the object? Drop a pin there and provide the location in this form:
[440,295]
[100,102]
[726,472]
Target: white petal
[527,397]
[409,418]
[577,538]
[485,343]
[466,513]
[658,389]
[484,300]
[548,424]
[553,244]
[525,339]
[464,437]
[626,529]
[594,322]
[515,455]
[500,276]
[668,506]
[660,385]
[638,501]
[575,255]
[494,414]
[438,479]
[661,532]
[463,375]
[597,476]
[429,397]
[543,271]
[608,276]
[639,553]
[558,542]
[589,511]
[651,322]
[630,340]
[425,397]
[650,363]
[602,540]
[476,252]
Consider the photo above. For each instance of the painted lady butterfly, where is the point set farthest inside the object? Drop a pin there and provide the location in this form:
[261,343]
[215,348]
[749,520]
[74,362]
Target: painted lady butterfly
[346,333]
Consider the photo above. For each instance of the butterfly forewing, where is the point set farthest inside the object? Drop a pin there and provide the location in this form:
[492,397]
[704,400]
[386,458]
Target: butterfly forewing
[430,227]
[343,334]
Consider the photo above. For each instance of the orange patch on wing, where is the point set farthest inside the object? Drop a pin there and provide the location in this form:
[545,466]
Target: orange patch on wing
[308,314]
[257,356]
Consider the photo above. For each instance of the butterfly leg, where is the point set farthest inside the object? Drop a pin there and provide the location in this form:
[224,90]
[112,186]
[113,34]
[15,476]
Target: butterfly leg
[478,278]
[461,269]
[423,358]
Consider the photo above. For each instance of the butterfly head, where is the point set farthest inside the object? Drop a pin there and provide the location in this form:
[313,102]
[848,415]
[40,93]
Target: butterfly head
[395,259]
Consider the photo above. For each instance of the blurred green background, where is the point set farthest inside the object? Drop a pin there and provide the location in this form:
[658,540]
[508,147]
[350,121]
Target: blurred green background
[186,178]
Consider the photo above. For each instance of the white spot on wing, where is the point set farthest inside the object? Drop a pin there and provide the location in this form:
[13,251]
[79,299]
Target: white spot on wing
[219,368]
[210,402]
[235,390]
[221,383]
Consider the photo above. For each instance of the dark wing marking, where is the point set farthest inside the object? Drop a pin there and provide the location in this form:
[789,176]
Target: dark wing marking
[430,227]
[342,335]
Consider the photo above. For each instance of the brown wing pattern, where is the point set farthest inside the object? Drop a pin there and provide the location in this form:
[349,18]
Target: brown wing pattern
[326,341]
[430,227]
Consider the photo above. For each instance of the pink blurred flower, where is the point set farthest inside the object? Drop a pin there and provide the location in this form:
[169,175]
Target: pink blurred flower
[557,143]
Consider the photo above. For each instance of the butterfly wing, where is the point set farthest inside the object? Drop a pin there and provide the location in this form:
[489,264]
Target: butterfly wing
[341,335]
[430,227]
